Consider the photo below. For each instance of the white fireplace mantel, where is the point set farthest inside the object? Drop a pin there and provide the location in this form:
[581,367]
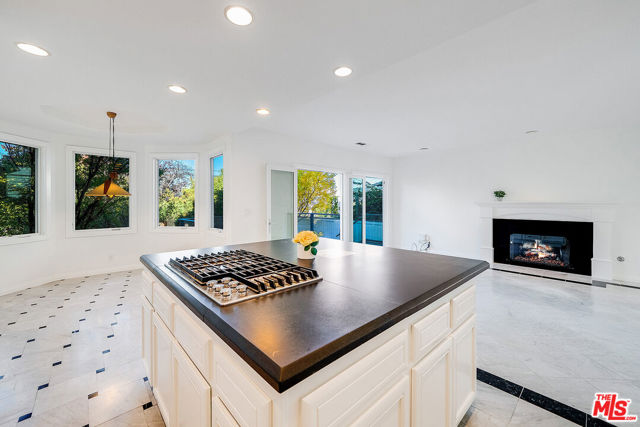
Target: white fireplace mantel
[602,215]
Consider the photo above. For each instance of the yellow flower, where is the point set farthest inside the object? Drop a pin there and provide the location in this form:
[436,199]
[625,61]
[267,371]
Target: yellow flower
[305,238]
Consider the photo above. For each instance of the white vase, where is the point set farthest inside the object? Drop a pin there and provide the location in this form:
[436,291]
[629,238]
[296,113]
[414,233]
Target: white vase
[302,254]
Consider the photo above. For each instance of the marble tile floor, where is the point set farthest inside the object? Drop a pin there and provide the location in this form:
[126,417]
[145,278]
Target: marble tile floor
[70,355]
[564,340]
[70,350]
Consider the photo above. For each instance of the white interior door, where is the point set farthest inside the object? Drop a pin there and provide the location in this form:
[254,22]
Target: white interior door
[281,203]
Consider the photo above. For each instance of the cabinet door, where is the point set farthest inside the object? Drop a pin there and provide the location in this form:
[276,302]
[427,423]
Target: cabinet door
[464,367]
[147,311]
[221,416]
[432,388]
[163,387]
[391,410]
[192,392]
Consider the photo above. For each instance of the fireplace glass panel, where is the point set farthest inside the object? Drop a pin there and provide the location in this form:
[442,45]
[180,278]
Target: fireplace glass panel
[552,251]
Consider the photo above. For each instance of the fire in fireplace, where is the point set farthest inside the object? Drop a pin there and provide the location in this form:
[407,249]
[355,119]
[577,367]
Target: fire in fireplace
[535,249]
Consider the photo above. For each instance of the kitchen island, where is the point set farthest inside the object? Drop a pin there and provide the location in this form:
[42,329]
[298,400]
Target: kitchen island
[387,337]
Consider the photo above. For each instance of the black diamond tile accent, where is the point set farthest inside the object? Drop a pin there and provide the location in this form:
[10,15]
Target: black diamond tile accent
[88,309]
[57,363]
[53,315]
[67,299]
[116,313]
[92,395]
[110,336]
[106,351]
[1,377]
[61,306]
[76,331]
[98,371]
[42,296]
[82,320]
[114,323]
[16,357]
[42,327]
[40,387]
[35,303]
[24,312]
[119,305]
[147,405]
[24,417]
[11,323]
[145,379]
[66,346]
[31,340]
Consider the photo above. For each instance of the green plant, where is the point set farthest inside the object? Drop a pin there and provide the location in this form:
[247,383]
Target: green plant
[499,194]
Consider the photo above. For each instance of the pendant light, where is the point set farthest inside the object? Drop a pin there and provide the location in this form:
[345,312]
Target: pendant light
[109,188]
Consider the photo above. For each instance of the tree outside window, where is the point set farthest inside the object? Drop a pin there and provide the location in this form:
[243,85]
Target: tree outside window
[176,193]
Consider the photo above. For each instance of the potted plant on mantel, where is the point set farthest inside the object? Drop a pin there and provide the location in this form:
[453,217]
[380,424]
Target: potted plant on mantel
[306,243]
[499,195]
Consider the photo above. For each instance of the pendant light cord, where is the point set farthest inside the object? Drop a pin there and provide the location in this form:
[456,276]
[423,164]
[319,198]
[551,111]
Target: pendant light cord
[112,142]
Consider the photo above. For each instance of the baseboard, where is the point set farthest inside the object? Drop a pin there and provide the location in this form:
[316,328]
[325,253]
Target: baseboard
[65,276]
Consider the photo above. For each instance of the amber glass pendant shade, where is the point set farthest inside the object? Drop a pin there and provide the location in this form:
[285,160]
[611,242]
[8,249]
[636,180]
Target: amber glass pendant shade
[109,188]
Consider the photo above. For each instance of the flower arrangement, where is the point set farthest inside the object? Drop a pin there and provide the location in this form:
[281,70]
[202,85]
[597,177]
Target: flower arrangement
[499,194]
[307,240]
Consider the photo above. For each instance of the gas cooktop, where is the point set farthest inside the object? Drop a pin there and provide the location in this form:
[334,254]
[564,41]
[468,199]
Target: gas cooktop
[233,276]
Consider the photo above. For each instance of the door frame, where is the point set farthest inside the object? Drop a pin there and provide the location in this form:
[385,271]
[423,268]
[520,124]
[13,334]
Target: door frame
[279,167]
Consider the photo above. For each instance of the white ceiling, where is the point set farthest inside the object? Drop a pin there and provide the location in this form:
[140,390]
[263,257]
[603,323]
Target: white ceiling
[426,73]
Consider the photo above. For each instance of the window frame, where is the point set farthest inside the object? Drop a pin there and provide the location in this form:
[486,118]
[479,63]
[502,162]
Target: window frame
[154,168]
[210,156]
[43,189]
[386,204]
[72,150]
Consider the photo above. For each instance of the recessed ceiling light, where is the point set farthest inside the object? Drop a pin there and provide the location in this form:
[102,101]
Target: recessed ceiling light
[360,143]
[263,111]
[423,148]
[342,71]
[32,49]
[532,131]
[177,89]
[238,15]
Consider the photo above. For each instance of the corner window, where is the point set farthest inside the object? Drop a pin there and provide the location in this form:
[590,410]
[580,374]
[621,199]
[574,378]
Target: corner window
[98,213]
[217,192]
[176,184]
[18,190]
[319,203]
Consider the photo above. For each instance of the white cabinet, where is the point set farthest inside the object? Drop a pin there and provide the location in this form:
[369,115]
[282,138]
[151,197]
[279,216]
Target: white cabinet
[147,318]
[464,367]
[192,392]
[221,416]
[349,395]
[163,385]
[432,388]
[391,410]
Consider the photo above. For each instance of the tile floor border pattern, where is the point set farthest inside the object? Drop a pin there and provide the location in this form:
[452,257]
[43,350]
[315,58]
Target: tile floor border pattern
[548,404]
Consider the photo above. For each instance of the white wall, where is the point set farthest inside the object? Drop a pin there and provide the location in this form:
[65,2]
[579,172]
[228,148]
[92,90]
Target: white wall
[246,156]
[435,191]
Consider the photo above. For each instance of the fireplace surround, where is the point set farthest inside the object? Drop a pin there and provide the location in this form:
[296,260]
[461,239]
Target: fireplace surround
[553,245]
[601,215]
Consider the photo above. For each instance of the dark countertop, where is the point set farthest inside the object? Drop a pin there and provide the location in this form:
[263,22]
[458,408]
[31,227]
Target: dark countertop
[288,336]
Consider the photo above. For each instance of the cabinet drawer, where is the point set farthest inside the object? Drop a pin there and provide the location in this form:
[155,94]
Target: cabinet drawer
[163,303]
[428,332]
[147,284]
[195,341]
[221,415]
[463,306]
[244,400]
[347,396]
[192,392]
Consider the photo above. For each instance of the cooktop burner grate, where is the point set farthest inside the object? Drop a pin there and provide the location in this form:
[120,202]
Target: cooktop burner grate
[233,276]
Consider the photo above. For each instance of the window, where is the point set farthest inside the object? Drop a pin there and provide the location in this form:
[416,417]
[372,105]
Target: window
[319,202]
[176,183]
[95,213]
[18,190]
[217,192]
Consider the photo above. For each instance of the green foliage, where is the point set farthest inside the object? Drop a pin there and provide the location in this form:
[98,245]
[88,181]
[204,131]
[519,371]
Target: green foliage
[100,212]
[17,189]
[176,192]
[499,194]
[218,205]
[317,192]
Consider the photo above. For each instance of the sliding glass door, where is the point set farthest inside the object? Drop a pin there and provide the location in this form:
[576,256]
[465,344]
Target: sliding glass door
[281,212]
[367,196]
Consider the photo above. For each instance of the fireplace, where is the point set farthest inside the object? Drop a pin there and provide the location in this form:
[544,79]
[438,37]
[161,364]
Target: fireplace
[552,245]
